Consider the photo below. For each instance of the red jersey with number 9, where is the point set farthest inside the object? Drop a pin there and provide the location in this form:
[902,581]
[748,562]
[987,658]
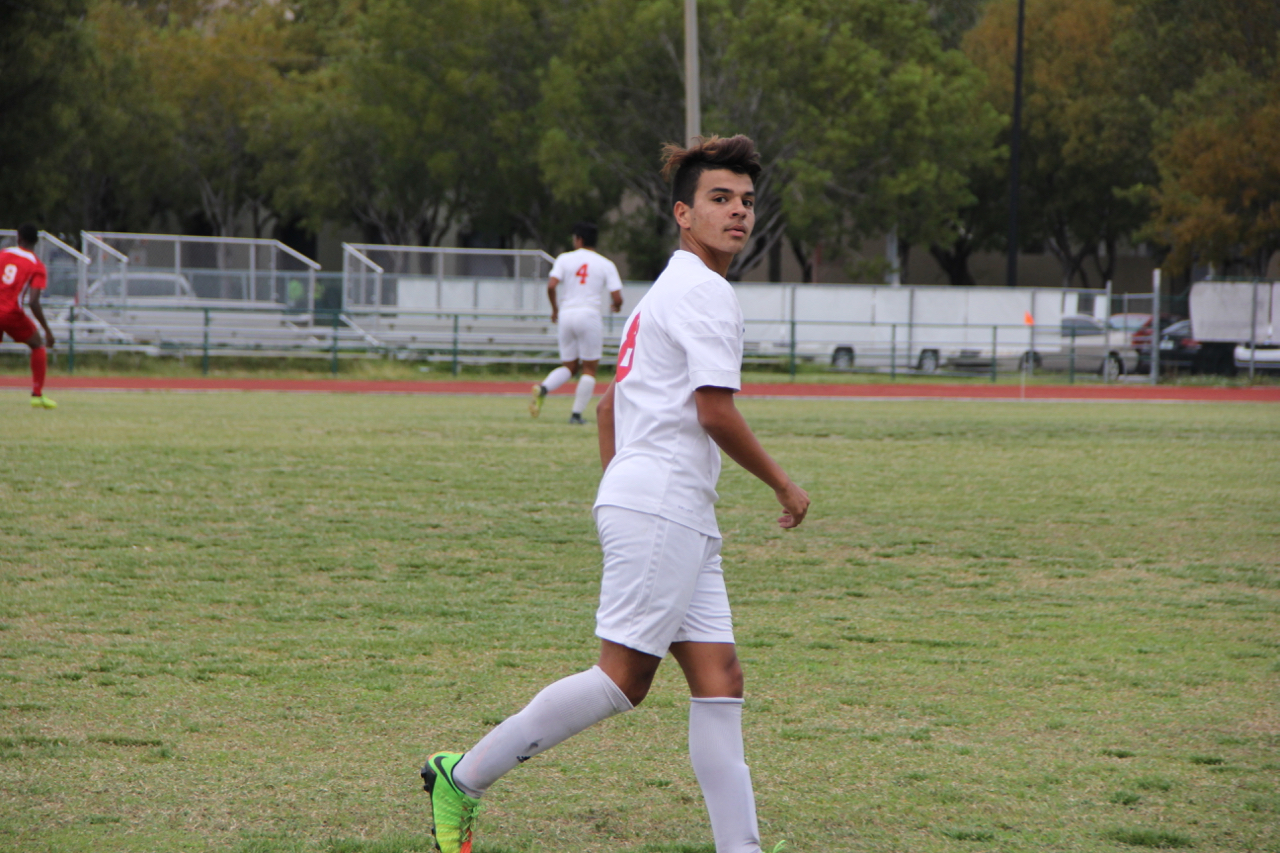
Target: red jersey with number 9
[18,269]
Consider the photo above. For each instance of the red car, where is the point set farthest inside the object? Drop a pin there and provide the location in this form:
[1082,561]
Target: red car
[1141,339]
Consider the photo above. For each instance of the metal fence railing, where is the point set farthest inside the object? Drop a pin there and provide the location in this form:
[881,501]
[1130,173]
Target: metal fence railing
[170,294]
[444,279]
[232,270]
[461,338]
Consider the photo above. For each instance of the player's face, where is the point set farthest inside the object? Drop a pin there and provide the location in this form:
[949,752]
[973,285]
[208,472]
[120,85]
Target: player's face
[723,213]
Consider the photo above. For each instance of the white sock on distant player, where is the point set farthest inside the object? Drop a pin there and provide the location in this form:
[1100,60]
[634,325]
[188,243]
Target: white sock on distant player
[582,396]
[556,378]
[556,714]
[719,762]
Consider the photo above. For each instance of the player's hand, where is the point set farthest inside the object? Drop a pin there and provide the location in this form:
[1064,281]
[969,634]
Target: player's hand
[795,505]
[49,340]
[555,316]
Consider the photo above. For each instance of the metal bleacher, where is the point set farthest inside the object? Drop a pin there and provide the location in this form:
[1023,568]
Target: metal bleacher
[176,295]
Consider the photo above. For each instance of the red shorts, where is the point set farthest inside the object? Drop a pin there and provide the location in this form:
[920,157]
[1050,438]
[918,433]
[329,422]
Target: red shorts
[17,325]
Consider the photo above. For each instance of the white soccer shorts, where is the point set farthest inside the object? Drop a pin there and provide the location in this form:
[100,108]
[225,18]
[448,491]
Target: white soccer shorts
[662,584]
[581,336]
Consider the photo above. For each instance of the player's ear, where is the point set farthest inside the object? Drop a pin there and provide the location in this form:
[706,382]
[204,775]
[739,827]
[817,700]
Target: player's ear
[682,213]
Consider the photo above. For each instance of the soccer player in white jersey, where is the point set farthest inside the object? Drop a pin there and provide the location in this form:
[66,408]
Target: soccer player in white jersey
[578,280]
[663,422]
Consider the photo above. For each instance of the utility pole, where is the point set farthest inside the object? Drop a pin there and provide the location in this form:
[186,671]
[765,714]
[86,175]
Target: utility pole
[692,100]
[1015,145]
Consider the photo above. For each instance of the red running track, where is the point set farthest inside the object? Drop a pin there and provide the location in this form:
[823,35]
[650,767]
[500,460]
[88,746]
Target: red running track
[974,391]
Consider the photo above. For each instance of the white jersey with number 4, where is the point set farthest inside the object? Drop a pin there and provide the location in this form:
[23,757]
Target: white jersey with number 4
[584,276]
[686,333]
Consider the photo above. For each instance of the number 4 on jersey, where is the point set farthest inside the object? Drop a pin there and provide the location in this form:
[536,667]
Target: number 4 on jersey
[582,274]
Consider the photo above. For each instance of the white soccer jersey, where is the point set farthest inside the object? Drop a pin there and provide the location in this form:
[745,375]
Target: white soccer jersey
[584,276]
[685,334]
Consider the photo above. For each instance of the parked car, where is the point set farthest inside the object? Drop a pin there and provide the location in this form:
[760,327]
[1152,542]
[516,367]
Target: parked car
[1128,322]
[1180,351]
[133,285]
[1142,335]
[1085,343]
[1265,357]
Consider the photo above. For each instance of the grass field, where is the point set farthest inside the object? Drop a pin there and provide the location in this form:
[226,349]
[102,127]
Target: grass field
[239,622]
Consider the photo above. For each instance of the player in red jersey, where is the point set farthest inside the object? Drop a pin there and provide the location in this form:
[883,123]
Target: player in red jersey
[20,271]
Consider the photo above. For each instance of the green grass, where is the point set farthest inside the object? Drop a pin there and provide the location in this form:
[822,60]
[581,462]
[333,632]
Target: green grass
[239,622]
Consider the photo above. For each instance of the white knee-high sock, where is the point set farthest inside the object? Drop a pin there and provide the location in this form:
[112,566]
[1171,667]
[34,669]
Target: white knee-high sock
[719,762]
[582,396]
[559,712]
[556,378]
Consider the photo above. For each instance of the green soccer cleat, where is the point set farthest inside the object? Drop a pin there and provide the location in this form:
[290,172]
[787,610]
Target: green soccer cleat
[43,402]
[453,813]
[535,405]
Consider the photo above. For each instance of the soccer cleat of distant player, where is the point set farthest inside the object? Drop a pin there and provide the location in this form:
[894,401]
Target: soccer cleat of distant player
[453,813]
[43,402]
[538,394]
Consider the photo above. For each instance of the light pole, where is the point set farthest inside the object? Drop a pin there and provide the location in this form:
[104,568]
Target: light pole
[692,101]
[1015,145]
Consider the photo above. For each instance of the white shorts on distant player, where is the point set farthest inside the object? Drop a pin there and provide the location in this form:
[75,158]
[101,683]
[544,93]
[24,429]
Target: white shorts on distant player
[581,335]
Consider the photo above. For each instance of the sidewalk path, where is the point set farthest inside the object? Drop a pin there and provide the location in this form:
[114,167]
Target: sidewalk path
[913,391]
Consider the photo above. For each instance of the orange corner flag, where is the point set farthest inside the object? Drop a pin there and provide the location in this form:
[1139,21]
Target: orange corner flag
[1028,319]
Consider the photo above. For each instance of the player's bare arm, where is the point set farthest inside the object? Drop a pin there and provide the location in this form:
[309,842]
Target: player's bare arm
[551,295]
[720,417]
[38,312]
[604,427]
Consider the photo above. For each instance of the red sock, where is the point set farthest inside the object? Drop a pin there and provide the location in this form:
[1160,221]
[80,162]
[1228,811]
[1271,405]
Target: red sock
[39,361]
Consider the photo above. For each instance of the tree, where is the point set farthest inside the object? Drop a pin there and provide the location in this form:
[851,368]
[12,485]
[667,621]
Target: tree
[889,128]
[1219,195]
[118,163]
[863,120]
[419,124]
[42,49]
[1171,43]
[1086,130]
[216,77]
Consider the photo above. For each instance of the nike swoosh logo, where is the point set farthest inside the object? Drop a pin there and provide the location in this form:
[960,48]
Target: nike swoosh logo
[440,771]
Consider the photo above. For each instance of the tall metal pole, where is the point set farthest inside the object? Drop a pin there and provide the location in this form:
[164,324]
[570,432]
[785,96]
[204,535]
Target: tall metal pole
[692,100]
[1155,326]
[1015,146]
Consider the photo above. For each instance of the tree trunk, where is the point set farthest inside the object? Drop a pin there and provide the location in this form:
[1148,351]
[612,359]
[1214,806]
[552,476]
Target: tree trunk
[954,260]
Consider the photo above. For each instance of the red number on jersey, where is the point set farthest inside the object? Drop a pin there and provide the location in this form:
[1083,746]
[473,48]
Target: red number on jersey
[627,354]
[582,274]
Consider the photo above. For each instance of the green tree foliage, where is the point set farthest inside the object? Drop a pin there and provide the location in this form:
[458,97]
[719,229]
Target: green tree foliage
[42,55]
[119,162]
[887,125]
[863,120]
[217,78]
[1219,193]
[1171,43]
[1211,68]
[419,119]
[420,122]
[1086,129]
